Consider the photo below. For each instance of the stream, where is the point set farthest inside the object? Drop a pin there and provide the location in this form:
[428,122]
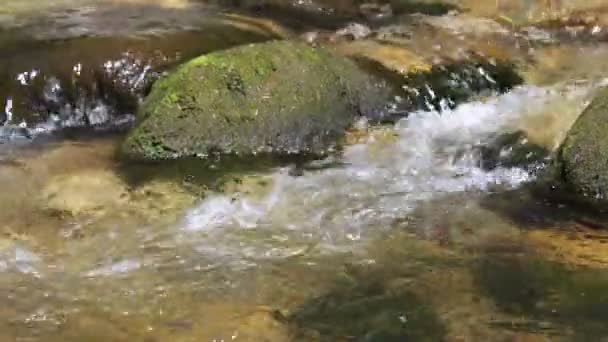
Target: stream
[417,230]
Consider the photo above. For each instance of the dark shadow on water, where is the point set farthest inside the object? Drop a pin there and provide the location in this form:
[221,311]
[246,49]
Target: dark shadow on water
[200,175]
[448,84]
[546,204]
[435,8]
[334,14]
[363,307]
[548,297]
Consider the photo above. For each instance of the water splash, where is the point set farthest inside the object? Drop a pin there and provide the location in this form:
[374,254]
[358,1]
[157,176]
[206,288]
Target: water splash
[99,97]
[436,153]
[381,181]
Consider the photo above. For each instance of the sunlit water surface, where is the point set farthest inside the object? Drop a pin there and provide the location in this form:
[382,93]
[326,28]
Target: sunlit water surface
[403,235]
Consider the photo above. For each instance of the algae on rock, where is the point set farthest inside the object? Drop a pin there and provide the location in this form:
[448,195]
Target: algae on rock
[279,97]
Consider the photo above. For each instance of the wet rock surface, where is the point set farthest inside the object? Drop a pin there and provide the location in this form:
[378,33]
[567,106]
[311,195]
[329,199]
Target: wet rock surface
[278,98]
[369,313]
[584,154]
[514,150]
[433,62]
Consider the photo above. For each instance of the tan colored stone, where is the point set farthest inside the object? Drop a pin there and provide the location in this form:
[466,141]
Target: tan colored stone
[84,193]
[577,247]
[467,24]
[160,200]
[393,57]
[256,25]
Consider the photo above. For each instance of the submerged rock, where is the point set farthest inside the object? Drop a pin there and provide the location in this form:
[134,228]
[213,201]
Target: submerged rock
[83,193]
[584,153]
[263,325]
[279,97]
[557,298]
[367,309]
[579,246]
[97,193]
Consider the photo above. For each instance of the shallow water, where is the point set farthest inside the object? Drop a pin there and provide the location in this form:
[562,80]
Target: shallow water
[403,235]
[136,268]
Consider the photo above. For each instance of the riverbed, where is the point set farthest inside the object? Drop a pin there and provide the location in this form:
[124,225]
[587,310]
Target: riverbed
[405,234]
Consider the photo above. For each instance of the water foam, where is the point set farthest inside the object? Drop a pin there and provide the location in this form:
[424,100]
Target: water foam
[433,155]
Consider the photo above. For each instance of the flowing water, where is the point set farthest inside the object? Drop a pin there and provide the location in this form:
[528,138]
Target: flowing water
[407,234]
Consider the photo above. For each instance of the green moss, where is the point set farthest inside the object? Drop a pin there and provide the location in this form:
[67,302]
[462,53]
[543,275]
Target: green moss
[280,97]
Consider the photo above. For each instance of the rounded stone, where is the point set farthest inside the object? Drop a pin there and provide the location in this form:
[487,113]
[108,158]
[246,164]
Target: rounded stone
[584,153]
[279,97]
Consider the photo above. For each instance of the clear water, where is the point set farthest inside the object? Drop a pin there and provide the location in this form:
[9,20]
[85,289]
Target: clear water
[402,236]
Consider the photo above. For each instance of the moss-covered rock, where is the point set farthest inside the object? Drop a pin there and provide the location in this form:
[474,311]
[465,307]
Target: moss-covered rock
[278,97]
[584,153]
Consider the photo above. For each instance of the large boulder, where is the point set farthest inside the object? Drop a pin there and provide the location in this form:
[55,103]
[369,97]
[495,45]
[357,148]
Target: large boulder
[584,153]
[279,97]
